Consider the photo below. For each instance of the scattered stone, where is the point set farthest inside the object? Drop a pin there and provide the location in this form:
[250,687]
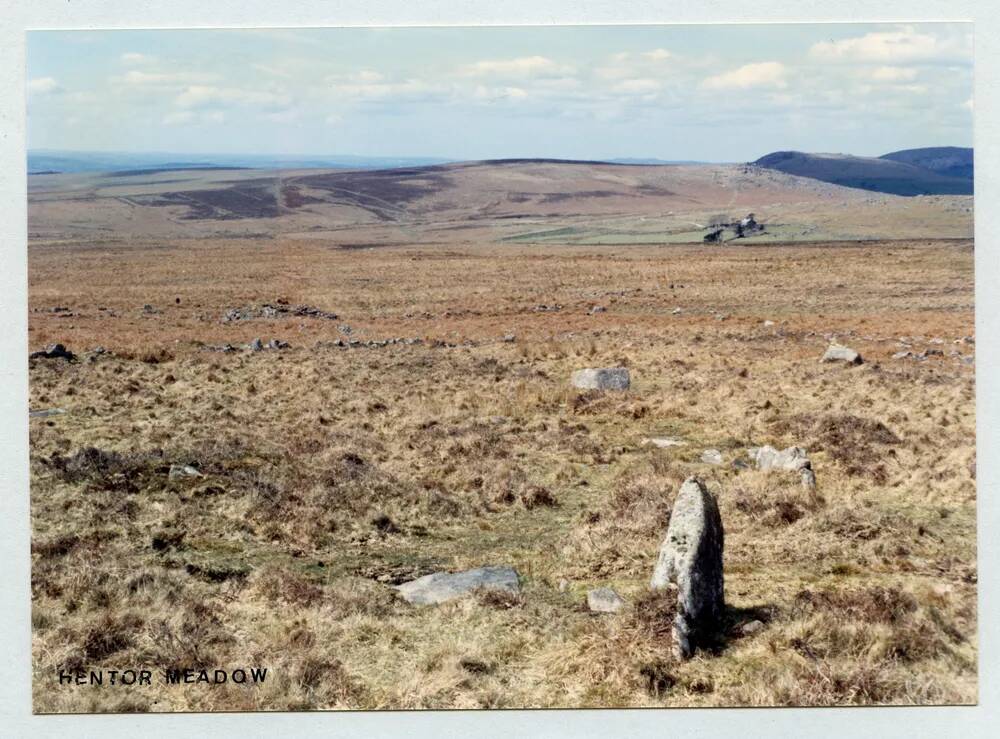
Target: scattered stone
[598,309]
[53,351]
[607,378]
[46,413]
[345,329]
[967,340]
[935,341]
[149,310]
[256,345]
[751,627]
[509,339]
[277,344]
[664,442]
[182,471]
[838,353]
[739,464]
[676,311]
[547,308]
[563,585]
[711,456]
[269,310]
[440,587]
[691,558]
[768,324]
[902,355]
[604,600]
[792,459]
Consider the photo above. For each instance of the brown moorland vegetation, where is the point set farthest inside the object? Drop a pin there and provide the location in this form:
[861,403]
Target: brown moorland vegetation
[332,471]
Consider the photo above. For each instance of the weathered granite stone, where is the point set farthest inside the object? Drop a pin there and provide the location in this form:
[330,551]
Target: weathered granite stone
[691,558]
[444,586]
[606,378]
[604,600]
[838,353]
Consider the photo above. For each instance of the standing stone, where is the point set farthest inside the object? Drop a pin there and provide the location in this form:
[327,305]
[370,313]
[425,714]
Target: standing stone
[838,353]
[606,378]
[691,558]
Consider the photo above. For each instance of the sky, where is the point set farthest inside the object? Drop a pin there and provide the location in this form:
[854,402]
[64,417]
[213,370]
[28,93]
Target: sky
[686,92]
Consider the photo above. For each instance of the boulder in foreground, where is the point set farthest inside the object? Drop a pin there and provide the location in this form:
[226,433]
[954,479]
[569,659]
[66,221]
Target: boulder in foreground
[604,378]
[838,353]
[444,586]
[691,558]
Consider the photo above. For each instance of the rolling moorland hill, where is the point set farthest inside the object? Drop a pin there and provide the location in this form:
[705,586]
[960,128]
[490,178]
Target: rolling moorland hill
[517,200]
[953,161]
[911,172]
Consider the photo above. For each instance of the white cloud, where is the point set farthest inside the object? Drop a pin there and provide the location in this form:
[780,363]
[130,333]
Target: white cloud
[369,87]
[893,74]
[638,86]
[526,66]
[136,78]
[657,55]
[283,116]
[905,44]
[759,74]
[182,117]
[133,57]
[178,117]
[968,104]
[43,86]
[494,94]
[200,96]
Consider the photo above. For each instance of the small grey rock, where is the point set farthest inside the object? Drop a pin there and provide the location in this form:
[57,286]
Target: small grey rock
[752,627]
[711,456]
[46,413]
[606,378]
[53,351]
[604,600]
[838,353]
[182,471]
[792,459]
[664,442]
[256,345]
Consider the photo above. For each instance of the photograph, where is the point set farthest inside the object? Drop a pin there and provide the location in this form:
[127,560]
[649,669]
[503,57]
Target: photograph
[501,367]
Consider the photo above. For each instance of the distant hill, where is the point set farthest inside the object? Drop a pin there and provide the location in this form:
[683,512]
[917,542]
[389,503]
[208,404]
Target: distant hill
[952,161]
[49,161]
[880,174]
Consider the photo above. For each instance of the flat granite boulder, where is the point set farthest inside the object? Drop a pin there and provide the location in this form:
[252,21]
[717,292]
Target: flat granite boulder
[604,378]
[604,600]
[691,559]
[440,587]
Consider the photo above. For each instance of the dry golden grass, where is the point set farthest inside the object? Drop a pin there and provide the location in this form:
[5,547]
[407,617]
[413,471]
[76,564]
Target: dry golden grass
[331,473]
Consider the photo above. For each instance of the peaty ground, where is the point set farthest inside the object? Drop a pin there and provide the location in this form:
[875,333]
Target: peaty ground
[332,472]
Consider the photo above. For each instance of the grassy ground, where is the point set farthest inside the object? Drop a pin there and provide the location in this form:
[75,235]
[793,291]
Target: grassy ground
[333,472]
